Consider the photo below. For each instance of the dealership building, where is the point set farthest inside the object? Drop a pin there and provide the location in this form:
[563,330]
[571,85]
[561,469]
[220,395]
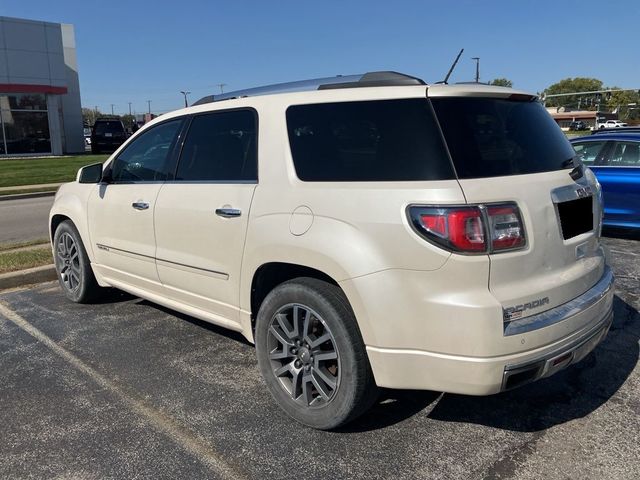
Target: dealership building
[40,110]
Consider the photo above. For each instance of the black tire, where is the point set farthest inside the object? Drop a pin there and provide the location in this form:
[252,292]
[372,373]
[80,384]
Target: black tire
[73,265]
[330,316]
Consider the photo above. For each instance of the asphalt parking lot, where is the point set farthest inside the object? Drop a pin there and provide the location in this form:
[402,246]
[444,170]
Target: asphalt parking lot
[128,389]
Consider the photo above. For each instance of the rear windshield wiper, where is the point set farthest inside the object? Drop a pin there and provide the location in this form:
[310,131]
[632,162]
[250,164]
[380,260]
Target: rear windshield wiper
[577,172]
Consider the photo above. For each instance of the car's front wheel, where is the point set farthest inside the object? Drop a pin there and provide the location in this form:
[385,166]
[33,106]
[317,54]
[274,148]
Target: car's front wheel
[73,265]
[311,354]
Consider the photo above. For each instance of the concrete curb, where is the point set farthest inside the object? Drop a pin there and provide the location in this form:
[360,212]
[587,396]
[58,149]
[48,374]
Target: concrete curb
[19,196]
[29,276]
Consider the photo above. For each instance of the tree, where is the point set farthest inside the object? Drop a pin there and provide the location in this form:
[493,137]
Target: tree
[625,104]
[501,82]
[128,120]
[570,85]
[89,116]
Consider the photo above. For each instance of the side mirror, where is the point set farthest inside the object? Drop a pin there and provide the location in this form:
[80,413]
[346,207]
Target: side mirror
[90,173]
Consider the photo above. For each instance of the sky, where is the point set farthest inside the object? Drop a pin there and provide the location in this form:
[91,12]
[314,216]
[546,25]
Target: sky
[134,51]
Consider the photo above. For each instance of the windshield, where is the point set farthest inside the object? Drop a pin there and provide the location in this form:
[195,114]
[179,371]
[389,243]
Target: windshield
[489,137]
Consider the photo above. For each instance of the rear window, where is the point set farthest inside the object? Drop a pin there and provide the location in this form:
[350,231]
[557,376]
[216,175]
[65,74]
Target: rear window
[101,128]
[386,140]
[490,137]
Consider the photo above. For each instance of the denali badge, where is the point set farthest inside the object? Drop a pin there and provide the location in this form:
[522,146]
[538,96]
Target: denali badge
[515,312]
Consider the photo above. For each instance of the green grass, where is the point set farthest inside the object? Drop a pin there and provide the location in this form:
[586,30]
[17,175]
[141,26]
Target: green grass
[31,171]
[13,261]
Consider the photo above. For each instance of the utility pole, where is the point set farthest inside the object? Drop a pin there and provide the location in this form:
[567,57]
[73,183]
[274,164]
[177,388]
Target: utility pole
[186,104]
[149,103]
[112,105]
[221,85]
[131,120]
[477,59]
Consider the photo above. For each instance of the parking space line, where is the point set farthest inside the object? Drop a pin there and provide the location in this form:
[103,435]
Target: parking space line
[162,422]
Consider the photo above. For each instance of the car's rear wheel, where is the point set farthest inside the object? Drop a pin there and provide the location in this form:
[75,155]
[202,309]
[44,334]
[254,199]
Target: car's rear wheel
[311,354]
[73,265]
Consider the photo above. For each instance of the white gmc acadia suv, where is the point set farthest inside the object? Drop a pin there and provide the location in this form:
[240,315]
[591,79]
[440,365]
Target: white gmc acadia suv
[364,231]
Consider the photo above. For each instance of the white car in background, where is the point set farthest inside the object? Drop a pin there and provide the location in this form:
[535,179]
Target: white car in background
[612,124]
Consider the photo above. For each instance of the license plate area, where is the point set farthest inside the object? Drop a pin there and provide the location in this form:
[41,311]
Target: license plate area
[576,216]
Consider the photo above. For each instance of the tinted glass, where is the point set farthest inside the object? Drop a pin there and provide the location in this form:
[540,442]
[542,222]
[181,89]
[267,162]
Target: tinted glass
[26,132]
[100,128]
[23,101]
[387,140]
[588,151]
[625,154]
[145,158]
[490,137]
[220,146]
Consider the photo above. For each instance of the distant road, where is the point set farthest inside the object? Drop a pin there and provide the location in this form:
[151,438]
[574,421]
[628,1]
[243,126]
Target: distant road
[25,219]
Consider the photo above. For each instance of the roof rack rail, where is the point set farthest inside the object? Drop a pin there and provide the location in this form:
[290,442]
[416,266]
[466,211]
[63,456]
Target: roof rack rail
[616,130]
[370,79]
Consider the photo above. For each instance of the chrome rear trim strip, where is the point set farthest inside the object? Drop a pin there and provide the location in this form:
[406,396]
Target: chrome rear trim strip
[564,311]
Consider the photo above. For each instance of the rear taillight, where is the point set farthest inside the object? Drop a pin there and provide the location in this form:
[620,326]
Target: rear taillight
[505,227]
[470,229]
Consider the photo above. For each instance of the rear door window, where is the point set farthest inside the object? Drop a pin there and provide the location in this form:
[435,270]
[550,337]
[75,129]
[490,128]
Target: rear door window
[625,154]
[489,137]
[386,140]
[222,147]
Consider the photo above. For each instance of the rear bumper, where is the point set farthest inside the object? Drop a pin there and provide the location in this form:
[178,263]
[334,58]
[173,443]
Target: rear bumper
[485,375]
[516,375]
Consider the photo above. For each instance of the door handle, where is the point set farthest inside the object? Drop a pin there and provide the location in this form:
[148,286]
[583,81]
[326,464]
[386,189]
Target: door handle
[228,212]
[140,205]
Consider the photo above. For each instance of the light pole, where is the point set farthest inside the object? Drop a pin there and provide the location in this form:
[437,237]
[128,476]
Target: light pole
[149,103]
[221,85]
[477,59]
[186,104]
[112,105]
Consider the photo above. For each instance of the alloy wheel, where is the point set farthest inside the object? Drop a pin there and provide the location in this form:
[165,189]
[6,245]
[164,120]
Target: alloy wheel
[303,355]
[68,262]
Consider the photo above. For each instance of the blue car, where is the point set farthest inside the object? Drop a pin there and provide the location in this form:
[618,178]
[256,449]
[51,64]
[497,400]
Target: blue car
[614,157]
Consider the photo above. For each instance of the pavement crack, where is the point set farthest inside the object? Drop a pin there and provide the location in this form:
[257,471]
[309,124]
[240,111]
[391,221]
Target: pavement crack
[162,422]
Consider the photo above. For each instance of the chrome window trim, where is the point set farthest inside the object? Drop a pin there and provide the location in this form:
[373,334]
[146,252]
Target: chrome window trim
[562,312]
[212,182]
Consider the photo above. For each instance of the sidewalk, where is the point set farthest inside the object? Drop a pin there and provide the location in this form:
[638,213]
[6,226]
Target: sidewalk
[19,192]
[38,187]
